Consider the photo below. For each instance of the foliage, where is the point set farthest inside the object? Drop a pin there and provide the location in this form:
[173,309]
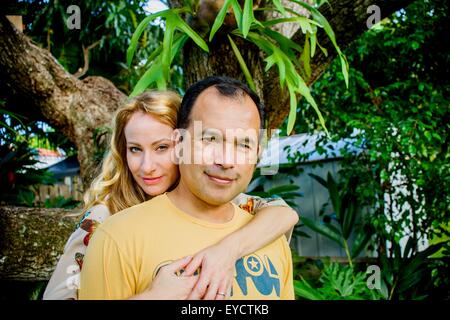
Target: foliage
[61,202]
[396,109]
[407,274]
[288,192]
[106,29]
[279,51]
[17,174]
[18,158]
[337,282]
[343,223]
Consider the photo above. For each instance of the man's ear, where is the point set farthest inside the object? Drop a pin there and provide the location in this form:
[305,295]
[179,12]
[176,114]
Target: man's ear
[260,150]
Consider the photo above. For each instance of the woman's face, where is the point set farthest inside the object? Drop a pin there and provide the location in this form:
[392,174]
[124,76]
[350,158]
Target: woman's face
[149,148]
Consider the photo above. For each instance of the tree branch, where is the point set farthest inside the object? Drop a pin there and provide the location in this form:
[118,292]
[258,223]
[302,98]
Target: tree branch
[37,81]
[82,71]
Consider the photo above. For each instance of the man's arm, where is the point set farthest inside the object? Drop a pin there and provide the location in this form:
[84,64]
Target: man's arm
[106,273]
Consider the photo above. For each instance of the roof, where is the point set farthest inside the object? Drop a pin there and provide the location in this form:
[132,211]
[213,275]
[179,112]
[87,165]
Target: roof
[279,148]
[66,168]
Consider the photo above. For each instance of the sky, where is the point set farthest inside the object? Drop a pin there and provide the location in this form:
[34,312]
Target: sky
[155,6]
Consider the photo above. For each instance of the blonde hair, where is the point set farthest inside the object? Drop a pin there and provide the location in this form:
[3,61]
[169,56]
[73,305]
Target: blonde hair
[115,186]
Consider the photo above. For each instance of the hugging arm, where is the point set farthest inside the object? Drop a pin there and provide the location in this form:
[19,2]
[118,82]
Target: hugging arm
[63,284]
[273,218]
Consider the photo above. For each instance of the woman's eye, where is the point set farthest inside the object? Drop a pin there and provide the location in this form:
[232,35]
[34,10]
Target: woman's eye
[134,149]
[244,145]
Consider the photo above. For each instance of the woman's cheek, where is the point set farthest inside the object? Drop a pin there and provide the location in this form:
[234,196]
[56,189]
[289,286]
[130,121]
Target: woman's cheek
[132,162]
[170,168]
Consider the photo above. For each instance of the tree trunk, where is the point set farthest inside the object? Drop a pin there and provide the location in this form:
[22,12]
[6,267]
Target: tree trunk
[32,240]
[221,61]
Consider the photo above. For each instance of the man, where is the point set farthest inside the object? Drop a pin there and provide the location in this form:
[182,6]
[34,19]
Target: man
[216,164]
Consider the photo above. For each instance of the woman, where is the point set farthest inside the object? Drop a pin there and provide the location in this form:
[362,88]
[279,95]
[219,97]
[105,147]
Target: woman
[138,167]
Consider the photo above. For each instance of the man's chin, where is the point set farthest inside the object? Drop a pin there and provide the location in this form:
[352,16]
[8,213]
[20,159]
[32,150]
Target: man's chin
[216,199]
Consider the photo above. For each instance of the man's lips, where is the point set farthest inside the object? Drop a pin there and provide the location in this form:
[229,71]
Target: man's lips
[220,179]
[151,181]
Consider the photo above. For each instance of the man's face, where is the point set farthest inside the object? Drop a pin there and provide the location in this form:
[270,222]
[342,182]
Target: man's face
[225,150]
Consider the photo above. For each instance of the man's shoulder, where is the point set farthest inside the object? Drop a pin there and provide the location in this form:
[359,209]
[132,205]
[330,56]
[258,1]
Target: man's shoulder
[135,216]
[243,215]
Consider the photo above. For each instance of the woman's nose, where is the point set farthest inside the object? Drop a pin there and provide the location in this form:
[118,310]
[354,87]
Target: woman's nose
[148,164]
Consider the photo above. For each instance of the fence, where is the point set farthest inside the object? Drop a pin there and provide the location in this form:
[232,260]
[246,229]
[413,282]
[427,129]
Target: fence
[70,187]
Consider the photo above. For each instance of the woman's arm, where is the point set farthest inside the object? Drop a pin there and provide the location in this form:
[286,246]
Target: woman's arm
[273,218]
[64,283]
[167,285]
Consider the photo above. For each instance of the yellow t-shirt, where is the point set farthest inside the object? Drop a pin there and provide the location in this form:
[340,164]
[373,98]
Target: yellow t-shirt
[127,250]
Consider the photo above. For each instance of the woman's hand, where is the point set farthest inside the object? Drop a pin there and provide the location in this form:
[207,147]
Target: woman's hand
[167,285]
[217,271]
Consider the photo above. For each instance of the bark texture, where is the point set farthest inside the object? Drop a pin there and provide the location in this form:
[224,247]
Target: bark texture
[32,240]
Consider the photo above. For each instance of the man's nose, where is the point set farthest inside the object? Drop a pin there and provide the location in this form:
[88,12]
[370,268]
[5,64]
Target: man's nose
[224,156]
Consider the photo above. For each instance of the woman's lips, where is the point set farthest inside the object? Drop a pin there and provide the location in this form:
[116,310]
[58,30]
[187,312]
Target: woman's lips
[152,181]
[220,180]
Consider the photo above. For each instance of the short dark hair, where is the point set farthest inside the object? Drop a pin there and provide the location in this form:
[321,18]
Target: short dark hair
[226,86]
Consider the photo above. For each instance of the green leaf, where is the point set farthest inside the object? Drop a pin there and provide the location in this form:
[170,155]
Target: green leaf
[166,56]
[319,179]
[220,18]
[149,77]
[155,74]
[285,43]
[183,26]
[324,50]
[322,229]
[305,57]
[304,290]
[279,7]
[361,241]
[247,17]
[313,43]
[291,195]
[242,64]
[237,13]
[292,111]
[302,21]
[344,68]
[334,196]
[303,89]
[137,34]
[317,16]
[349,217]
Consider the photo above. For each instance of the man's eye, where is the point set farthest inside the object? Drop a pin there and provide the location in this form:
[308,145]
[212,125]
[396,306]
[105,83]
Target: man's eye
[162,147]
[246,146]
[134,149]
[210,138]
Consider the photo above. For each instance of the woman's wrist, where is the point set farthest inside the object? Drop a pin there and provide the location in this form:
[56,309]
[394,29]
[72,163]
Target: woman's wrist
[233,242]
